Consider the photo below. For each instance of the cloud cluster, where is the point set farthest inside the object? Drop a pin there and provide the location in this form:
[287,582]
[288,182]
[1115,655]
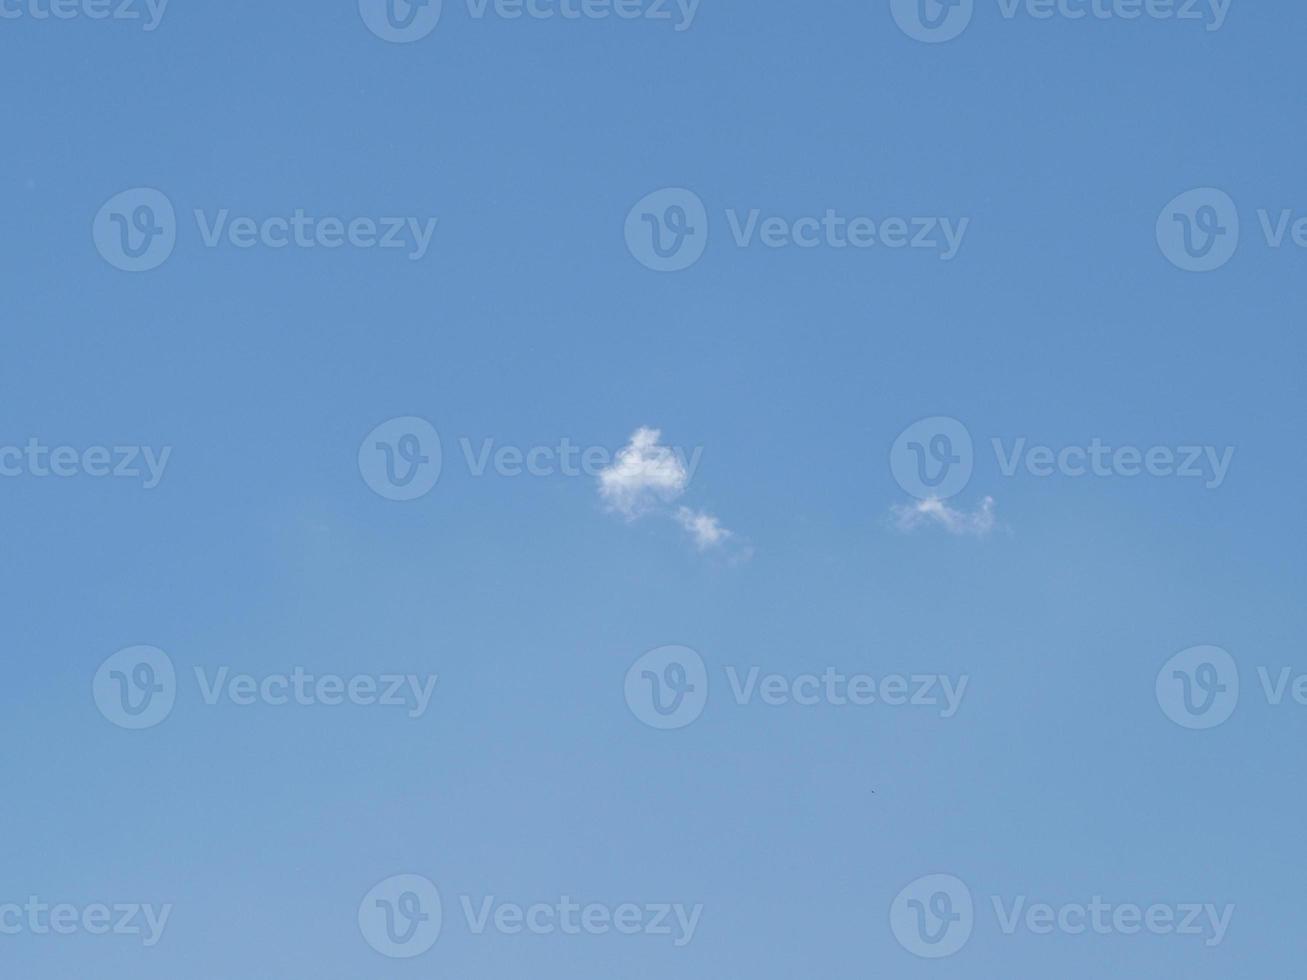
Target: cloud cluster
[644,477]
[979,523]
[647,478]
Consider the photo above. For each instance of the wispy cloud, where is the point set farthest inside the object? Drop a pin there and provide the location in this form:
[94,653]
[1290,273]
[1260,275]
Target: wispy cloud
[704,528]
[934,512]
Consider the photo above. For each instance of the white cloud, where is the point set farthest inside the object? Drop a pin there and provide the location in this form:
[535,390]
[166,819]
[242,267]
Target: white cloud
[644,477]
[704,528]
[647,478]
[978,524]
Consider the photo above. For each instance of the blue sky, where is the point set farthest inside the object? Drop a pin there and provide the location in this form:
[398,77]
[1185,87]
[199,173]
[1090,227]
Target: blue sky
[785,376]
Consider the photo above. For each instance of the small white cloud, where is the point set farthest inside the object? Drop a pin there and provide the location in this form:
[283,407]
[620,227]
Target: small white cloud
[978,524]
[704,528]
[647,478]
[644,476]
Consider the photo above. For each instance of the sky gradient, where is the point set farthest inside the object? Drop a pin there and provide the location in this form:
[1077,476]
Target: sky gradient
[598,459]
